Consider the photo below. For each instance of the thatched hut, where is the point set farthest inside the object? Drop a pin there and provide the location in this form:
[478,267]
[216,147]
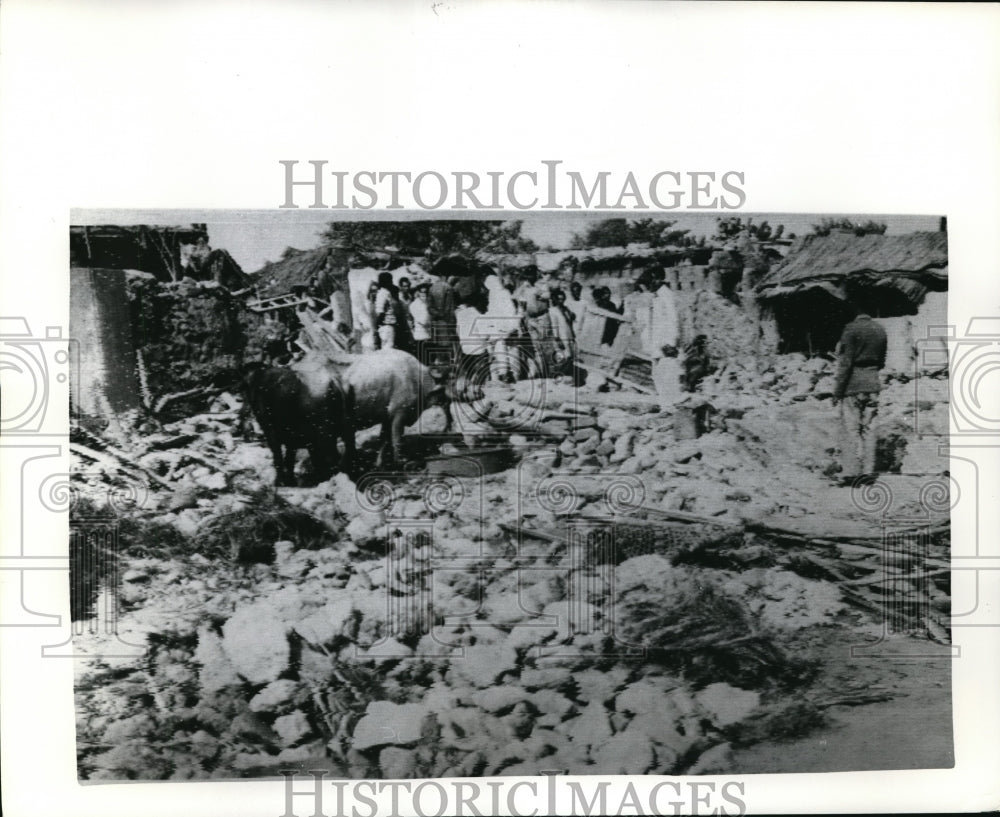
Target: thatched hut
[900,279]
[328,265]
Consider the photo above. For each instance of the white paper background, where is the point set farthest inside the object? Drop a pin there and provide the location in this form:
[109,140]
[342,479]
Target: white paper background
[853,108]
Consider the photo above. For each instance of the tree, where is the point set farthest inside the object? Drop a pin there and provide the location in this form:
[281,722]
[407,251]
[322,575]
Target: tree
[430,239]
[830,225]
[611,232]
[620,232]
[727,229]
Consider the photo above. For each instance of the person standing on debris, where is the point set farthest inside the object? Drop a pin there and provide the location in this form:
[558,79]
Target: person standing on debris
[386,311]
[441,308]
[533,304]
[664,346]
[420,315]
[697,363]
[602,300]
[369,325]
[638,307]
[405,292]
[576,304]
[562,332]
[860,355]
[502,323]
[474,342]
[420,319]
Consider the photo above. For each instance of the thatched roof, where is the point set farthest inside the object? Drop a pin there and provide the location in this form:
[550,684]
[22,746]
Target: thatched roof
[507,261]
[839,259]
[299,266]
[612,259]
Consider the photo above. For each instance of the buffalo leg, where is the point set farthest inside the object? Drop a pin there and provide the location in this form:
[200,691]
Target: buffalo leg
[279,470]
[289,465]
[383,442]
[347,461]
[397,438]
[322,463]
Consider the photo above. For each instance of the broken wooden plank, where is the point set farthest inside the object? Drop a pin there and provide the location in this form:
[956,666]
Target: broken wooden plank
[859,699]
[676,516]
[199,391]
[616,379]
[113,460]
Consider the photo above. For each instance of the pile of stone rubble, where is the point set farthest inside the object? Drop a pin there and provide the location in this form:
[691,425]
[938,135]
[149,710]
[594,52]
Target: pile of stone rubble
[453,625]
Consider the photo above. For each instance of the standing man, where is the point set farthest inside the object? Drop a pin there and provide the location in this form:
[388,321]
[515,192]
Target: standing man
[562,332]
[533,303]
[474,365]
[391,316]
[576,304]
[664,346]
[420,316]
[861,354]
[441,308]
[405,292]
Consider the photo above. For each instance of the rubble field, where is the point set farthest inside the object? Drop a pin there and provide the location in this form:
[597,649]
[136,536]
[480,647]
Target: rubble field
[616,601]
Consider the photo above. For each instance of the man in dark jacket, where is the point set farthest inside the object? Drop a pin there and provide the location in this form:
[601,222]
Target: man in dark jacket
[861,354]
[443,344]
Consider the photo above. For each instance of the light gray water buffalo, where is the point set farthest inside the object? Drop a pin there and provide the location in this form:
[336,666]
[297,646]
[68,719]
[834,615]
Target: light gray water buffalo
[391,388]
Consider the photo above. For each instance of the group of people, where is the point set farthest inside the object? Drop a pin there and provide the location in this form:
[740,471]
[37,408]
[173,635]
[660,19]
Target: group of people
[506,327]
[510,326]
[483,321]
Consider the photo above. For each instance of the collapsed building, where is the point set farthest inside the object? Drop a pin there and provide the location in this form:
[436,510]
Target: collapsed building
[493,616]
[902,280]
[154,311]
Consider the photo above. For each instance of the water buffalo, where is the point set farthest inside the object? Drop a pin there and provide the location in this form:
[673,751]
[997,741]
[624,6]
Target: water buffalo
[391,388]
[301,407]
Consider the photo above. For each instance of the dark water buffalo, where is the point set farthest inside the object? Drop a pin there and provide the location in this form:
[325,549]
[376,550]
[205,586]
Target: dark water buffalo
[298,408]
[391,388]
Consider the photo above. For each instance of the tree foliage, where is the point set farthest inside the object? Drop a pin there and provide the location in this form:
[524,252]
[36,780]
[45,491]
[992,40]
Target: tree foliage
[727,229]
[620,232]
[746,242]
[431,240]
[830,225]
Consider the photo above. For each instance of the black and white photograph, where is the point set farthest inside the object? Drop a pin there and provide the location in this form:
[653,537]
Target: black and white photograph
[498,407]
[568,493]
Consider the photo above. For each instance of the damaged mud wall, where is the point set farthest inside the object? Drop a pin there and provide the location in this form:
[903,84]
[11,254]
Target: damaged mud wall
[190,335]
[99,322]
[732,331]
[918,342]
